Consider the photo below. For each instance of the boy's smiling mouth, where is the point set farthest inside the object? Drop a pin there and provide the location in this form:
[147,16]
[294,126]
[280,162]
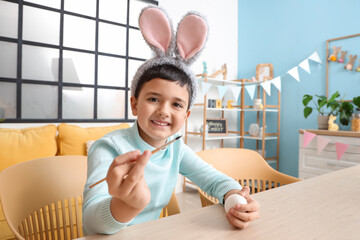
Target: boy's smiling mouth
[160,123]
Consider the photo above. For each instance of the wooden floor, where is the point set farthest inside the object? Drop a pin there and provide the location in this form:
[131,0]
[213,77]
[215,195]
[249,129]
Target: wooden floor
[189,200]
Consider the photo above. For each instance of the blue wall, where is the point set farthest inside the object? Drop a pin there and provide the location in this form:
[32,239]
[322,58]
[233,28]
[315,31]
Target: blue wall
[284,33]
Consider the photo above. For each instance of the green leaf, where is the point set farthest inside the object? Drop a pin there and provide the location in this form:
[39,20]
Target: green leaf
[307,111]
[306,99]
[356,101]
[334,96]
[344,118]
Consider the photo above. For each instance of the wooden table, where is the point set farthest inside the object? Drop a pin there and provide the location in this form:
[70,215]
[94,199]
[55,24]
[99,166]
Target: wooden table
[323,207]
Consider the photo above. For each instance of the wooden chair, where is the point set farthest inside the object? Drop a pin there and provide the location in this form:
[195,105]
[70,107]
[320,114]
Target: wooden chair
[245,166]
[42,198]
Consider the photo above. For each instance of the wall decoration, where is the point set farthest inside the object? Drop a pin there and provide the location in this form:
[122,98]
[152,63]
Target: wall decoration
[349,66]
[333,56]
[342,57]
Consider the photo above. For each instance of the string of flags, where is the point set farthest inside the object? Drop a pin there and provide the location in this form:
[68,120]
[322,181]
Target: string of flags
[322,142]
[266,85]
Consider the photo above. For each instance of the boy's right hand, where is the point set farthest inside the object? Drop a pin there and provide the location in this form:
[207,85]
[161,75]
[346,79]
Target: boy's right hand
[126,182]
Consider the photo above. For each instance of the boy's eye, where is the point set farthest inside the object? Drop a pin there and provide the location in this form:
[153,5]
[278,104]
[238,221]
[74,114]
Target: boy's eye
[153,99]
[178,105]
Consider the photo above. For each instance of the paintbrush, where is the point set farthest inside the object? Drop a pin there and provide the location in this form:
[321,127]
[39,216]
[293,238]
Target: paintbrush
[152,152]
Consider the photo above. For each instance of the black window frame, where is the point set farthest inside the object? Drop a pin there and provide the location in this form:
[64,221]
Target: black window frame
[60,84]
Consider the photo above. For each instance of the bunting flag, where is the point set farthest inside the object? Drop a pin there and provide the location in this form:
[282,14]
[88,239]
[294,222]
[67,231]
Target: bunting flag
[250,87]
[305,65]
[322,142]
[294,73]
[308,137]
[236,92]
[340,149]
[315,57]
[267,87]
[251,90]
[222,90]
[277,83]
[205,86]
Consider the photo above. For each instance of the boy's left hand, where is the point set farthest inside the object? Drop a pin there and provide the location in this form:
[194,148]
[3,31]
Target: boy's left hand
[242,215]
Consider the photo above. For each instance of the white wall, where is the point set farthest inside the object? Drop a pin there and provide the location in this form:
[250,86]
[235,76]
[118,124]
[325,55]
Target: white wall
[221,47]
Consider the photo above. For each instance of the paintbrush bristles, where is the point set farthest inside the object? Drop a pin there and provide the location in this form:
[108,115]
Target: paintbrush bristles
[152,152]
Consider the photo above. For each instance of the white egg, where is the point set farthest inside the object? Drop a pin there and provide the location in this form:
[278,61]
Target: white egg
[232,200]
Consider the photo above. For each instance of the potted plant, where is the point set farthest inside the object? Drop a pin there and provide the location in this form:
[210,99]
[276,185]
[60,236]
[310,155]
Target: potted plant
[320,105]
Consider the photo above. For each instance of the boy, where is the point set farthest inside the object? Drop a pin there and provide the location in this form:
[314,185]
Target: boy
[140,185]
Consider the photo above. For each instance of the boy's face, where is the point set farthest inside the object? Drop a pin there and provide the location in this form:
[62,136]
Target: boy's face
[161,110]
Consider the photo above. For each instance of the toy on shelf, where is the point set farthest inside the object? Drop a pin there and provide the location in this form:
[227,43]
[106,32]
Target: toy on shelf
[336,51]
[332,126]
[349,66]
[342,57]
[222,71]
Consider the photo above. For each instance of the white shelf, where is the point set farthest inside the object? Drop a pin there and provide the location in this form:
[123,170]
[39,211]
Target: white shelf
[260,110]
[228,81]
[237,109]
[259,138]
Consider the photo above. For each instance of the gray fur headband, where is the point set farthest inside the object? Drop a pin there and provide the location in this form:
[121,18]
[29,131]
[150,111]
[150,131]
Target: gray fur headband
[179,51]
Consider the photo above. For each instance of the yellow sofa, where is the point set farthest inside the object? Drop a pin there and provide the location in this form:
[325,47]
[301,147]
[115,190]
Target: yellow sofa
[19,145]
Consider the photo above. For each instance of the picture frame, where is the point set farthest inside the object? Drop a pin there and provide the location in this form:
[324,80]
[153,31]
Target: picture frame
[217,126]
[264,71]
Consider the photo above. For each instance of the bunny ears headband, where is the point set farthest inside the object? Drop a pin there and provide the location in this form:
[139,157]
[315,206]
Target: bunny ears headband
[179,51]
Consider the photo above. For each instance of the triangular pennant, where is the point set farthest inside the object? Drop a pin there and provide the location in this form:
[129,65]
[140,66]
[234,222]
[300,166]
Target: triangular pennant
[315,57]
[267,87]
[322,142]
[308,137]
[305,65]
[277,83]
[251,90]
[222,90]
[294,73]
[205,87]
[340,149]
[236,92]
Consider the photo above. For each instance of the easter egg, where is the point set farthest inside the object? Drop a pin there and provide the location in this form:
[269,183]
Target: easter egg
[333,58]
[233,200]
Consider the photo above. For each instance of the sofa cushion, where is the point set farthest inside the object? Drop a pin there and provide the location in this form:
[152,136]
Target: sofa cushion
[19,145]
[72,139]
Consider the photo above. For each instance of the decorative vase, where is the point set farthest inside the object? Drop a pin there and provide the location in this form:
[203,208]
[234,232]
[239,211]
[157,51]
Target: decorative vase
[323,122]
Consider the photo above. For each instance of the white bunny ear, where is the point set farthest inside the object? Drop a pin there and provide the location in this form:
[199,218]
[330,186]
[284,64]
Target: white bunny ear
[191,36]
[156,29]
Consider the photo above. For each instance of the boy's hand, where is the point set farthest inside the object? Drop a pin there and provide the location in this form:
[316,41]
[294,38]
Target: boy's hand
[242,215]
[126,182]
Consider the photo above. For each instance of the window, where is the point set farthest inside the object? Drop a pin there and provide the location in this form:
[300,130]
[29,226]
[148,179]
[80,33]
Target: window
[69,61]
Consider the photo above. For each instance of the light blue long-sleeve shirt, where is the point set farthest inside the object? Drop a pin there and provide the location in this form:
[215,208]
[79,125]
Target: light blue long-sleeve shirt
[161,175]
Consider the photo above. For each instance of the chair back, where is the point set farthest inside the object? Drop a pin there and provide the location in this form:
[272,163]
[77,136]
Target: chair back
[247,167]
[42,198]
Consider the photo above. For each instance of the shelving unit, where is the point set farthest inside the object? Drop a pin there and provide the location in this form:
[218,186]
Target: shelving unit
[240,132]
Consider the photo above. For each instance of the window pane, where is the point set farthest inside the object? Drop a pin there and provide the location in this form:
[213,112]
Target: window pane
[111,103]
[85,7]
[111,71]
[133,67]
[113,10]
[41,25]
[112,39]
[135,9]
[79,32]
[39,101]
[52,3]
[8,57]
[8,19]
[7,100]
[39,63]
[137,45]
[78,103]
[78,67]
